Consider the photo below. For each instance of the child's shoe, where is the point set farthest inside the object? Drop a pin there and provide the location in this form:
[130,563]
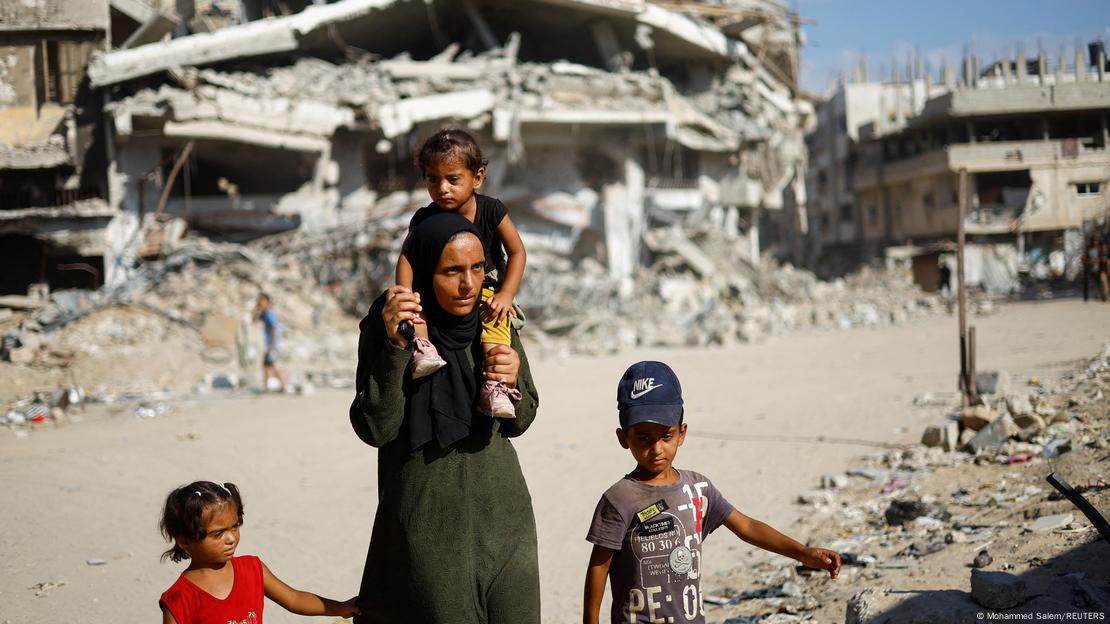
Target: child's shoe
[496,399]
[425,358]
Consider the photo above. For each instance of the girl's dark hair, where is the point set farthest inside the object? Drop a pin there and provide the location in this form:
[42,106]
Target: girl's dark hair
[186,507]
[451,143]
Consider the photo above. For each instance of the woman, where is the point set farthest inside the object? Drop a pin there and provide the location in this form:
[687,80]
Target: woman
[454,538]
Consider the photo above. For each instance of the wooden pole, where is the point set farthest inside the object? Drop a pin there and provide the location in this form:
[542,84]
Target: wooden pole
[965,385]
[172,177]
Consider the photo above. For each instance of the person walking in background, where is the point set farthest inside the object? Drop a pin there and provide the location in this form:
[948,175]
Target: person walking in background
[1090,268]
[945,278]
[1103,258]
[271,332]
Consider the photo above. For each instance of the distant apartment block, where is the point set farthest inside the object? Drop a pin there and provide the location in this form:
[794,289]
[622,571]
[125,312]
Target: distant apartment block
[885,160]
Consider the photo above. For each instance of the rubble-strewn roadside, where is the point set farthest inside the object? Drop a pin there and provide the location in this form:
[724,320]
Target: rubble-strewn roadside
[183,324]
[933,536]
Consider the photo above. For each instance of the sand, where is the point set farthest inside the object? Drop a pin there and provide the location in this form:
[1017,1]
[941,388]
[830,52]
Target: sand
[92,490]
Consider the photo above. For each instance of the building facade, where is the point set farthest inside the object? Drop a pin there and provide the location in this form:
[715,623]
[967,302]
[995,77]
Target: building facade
[1034,144]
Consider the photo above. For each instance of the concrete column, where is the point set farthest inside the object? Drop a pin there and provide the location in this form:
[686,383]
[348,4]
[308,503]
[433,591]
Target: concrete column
[608,46]
[1080,67]
[624,222]
[1105,131]
[1044,128]
[186,11]
[1042,68]
[1019,74]
[485,33]
[970,131]
[1101,59]
[753,237]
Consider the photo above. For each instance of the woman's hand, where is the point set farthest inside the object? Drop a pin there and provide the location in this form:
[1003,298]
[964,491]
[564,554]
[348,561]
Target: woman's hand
[401,304]
[502,364]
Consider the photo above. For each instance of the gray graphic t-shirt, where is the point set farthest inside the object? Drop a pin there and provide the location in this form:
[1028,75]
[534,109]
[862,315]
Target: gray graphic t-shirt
[657,532]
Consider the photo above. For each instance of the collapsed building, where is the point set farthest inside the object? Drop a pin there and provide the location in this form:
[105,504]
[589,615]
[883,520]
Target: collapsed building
[886,160]
[597,116]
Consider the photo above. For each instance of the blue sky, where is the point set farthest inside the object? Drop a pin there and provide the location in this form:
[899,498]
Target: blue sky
[889,31]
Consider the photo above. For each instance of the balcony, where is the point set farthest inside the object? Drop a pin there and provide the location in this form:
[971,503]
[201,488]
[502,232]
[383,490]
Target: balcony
[1021,154]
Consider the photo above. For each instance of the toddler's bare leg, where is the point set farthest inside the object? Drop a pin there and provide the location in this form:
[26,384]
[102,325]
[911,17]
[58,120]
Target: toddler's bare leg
[421,326]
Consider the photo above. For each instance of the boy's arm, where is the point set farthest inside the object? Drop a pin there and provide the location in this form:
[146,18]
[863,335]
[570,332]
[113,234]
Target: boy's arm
[303,603]
[596,573]
[766,537]
[167,617]
[517,258]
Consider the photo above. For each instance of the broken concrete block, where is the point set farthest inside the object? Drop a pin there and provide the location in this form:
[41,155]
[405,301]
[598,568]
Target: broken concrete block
[993,434]
[975,417]
[1019,404]
[992,382]
[945,435]
[1029,420]
[1050,523]
[861,606]
[902,511]
[966,436]
[882,606]
[997,590]
[816,497]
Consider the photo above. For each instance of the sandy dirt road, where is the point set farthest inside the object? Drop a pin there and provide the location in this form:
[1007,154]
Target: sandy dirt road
[92,490]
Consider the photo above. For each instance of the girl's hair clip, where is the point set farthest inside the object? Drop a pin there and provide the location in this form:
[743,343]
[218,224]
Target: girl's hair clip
[197,492]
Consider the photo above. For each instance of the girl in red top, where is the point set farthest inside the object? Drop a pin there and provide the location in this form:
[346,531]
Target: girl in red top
[202,519]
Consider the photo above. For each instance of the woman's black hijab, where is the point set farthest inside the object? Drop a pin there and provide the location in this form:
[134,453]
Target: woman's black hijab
[440,406]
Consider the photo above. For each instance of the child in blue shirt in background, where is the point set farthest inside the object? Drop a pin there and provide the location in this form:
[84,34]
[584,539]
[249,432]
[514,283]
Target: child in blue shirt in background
[271,333]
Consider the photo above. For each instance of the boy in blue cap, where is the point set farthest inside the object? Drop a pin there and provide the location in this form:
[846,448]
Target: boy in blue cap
[648,528]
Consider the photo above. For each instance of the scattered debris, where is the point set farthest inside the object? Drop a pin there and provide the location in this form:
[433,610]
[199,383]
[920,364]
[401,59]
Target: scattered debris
[1096,518]
[982,560]
[44,588]
[912,521]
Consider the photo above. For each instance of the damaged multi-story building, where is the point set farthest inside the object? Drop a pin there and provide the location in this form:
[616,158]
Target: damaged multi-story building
[598,117]
[886,158]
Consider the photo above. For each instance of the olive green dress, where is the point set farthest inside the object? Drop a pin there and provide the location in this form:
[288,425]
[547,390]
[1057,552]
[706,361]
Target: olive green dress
[454,537]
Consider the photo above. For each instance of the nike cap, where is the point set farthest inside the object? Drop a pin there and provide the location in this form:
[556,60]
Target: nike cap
[649,392]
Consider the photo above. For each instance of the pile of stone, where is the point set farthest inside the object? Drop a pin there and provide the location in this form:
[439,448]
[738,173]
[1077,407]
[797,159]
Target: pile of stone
[1036,422]
[698,288]
[179,323]
[186,316]
[933,536]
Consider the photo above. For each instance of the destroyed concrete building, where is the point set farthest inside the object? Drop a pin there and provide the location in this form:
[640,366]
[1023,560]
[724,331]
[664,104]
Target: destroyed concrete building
[1032,138]
[47,127]
[55,213]
[597,117]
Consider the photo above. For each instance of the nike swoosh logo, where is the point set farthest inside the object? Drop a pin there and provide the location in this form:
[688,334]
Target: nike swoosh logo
[635,395]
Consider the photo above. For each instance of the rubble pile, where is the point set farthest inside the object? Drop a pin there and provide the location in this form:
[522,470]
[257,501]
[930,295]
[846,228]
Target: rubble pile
[187,316]
[698,288]
[182,319]
[933,536]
